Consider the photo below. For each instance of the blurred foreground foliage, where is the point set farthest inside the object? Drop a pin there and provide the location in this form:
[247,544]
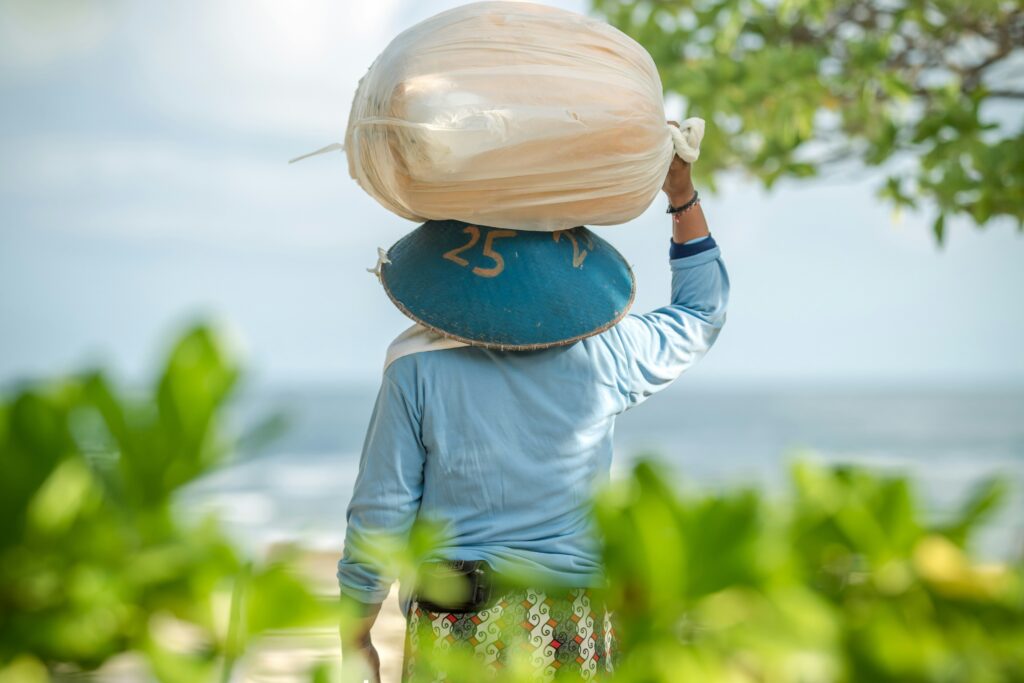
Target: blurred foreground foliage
[793,87]
[93,562]
[843,579]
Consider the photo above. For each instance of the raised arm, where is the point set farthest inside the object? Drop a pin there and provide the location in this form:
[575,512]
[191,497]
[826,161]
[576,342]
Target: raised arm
[647,352]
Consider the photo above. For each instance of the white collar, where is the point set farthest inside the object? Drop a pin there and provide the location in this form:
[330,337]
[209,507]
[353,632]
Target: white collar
[417,339]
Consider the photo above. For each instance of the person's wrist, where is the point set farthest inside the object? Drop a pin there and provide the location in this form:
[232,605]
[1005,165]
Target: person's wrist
[679,196]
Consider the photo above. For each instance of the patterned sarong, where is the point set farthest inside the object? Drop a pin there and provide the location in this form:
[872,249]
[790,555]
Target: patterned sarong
[555,637]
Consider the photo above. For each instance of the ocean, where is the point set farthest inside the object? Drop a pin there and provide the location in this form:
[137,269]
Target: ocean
[295,488]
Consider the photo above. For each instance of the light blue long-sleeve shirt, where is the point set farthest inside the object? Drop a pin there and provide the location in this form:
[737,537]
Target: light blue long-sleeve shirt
[503,449]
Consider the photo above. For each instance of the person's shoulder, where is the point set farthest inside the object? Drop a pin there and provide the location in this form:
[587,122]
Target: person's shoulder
[612,335]
[412,371]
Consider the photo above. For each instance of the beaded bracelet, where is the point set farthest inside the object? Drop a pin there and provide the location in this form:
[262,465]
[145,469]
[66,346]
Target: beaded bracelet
[694,200]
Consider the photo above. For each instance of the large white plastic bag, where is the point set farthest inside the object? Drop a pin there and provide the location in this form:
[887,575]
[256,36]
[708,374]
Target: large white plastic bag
[512,115]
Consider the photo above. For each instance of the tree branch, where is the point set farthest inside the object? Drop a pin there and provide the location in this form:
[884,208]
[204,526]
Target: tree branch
[1007,94]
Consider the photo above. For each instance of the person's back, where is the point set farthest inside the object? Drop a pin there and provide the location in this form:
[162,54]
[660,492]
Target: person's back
[514,441]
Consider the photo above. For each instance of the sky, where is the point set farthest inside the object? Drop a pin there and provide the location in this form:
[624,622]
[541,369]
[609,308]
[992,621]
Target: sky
[144,185]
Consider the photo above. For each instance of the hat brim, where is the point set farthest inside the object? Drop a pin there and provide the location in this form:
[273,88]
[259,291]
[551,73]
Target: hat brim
[505,289]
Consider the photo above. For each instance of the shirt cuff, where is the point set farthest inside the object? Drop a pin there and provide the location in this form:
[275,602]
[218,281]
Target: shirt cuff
[363,595]
[690,247]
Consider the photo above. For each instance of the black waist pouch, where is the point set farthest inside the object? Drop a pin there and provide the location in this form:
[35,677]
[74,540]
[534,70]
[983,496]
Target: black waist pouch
[457,586]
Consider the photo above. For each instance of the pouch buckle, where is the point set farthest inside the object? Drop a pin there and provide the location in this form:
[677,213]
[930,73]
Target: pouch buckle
[456,586]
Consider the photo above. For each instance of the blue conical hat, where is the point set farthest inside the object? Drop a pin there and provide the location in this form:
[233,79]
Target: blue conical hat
[508,289]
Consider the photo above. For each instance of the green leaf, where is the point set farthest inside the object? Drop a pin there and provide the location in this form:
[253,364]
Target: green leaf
[984,500]
[939,228]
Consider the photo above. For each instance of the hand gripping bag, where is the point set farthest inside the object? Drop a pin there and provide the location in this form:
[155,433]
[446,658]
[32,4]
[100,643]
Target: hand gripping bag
[513,115]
